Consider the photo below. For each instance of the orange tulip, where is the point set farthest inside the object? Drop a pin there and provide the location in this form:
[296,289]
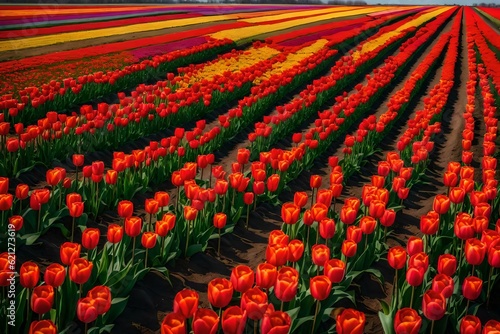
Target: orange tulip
[115,233]
[86,310]
[254,302]
[319,211]
[220,292]
[350,321]
[42,299]
[101,297]
[315,181]
[367,224]
[68,252]
[265,275]
[80,270]
[295,250]
[470,324]
[190,212]
[277,254]
[472,287]
[388,217]
[273,183]
[90,237]
[300,198]
[54,275]
[441,204]
[447,264]
[433,305]
[173,323]
[327,228]
[148,240]
[335,270]
[275,322]
[444,284]
[396,257]
[242,278]
[42,326]
[320,287]
[186,303]
[125,209]
[475,250]
[348,215]
[234,320]
[133,226]
[320,254]
[407,321]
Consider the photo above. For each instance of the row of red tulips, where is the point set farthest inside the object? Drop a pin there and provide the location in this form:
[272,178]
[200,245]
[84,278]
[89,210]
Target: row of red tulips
[34,102]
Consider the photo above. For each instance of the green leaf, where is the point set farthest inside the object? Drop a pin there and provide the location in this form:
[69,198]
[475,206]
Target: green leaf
[387,322]
[385,307]
[193,249]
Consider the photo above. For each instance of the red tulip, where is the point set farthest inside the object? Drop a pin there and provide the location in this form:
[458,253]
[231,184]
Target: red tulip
[78,160]
[494,255]
[444,284]
[433,305]
[42,299]
[273,183]
[115,233]
[220,292]
[90,237]
[173,323]
[234,320]
[54,275]
[471,287]
[42,326]
[151,206]
[447,264]
[300,199]
[429,224]
[491,327]
[295,250]
[327,228]
[335,270]
[348,214]
[265,275]
[349,248]
[190,212]
[242,278]
[415,245]
[315,181]
[275,322]
[254,302]
[475,250]
[367,224]
[133,226]
[220,220]
[470,324]
[354,233]
[319,211]
[450,179]
[86,310]
[320,254]
[205,321]
[277,254]
[441,204]
[125,209]
[243,156]
[388,217]
[320,287]
[22,191]
[407,321]
[101,297]
[285,288]
[80,270]
[396,257]
[350,321]
[68,252]
[148,240]
[17,222]
[186,303]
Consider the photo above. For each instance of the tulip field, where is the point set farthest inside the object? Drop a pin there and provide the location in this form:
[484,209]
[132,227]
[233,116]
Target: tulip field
[249,168]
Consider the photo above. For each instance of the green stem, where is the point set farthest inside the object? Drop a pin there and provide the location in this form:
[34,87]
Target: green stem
[248,216]
[412,294]
[315,314]
[72,229]
[187,237]
[133,249]
[146,259]
[218,246]
[432,327]
[488,288]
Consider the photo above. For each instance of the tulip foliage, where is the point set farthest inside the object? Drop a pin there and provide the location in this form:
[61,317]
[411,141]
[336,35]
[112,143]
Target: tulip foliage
[177,196]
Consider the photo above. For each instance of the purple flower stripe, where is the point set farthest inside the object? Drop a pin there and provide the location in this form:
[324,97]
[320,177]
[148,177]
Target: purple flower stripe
[153,50]
[398,11]
[315,36]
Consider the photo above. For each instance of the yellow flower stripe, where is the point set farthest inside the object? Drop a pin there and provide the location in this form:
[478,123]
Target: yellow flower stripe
[375,43]
[297,14]
[245,59]
[32,42]
[238,34]
[57,11]
[292,60]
